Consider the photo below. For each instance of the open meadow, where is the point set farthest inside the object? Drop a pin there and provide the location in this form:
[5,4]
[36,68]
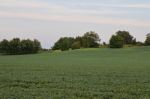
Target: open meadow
[100,73]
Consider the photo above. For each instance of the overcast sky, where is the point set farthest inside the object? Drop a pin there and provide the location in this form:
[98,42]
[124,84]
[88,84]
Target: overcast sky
[47,20]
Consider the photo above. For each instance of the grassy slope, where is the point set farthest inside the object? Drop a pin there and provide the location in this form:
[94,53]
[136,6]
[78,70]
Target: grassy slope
[86,74]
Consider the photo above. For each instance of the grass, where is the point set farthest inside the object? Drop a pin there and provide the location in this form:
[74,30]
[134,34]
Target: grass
[80,74]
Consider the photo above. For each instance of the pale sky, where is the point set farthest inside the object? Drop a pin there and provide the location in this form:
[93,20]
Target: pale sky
[48,20]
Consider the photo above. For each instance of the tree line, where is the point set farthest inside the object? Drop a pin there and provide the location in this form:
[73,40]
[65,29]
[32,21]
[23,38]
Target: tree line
[88,40]
[17,46]
[92,40]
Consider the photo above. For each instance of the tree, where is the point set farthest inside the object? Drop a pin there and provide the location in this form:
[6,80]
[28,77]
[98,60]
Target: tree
[134,42]
[127,38]
[4,46]
[79,39]
[14,46]
[63,44]
[116,41]
[147,41]
[17,46]
[27,46]
[57,45]
[90,40]
[37,46]
[76,45]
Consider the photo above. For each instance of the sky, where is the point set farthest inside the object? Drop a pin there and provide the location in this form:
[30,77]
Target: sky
[48,20]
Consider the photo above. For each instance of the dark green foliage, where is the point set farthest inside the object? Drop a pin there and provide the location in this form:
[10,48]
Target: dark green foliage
[4,46]
[16,46]
[116,41]
[27,46]
[134,42]
[88,40]
[36,46]
[63,44]
[79,39]
[127,38]
[147,41]
[76,45]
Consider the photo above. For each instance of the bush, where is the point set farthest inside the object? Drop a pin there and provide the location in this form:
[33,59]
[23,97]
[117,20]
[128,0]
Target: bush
[76,45]
[116,42]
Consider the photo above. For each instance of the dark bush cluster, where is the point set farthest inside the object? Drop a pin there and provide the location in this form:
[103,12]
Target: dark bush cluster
[17,46]
[88,40]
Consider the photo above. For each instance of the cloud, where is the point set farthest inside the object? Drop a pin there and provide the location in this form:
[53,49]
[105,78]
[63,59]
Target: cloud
[58,12]
[138,6]
[42,4]
[76,18]
[27,4]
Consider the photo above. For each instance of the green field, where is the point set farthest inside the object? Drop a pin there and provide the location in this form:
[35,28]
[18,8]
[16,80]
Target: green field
[81,74]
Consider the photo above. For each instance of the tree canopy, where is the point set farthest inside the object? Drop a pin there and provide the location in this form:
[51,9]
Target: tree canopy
[147,41]
[63,43]
[17,46]
[127,38]
[116,41]
[88,40]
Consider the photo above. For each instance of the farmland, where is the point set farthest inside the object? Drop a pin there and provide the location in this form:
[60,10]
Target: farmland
[100,73]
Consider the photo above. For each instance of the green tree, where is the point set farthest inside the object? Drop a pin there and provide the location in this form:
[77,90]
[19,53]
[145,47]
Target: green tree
[147,41]
[116,41]
[27,46]
[134,42]
[14,46]
[90,40]
[4,46]
[37,46]
[127,38]
[63,43]
[79,39]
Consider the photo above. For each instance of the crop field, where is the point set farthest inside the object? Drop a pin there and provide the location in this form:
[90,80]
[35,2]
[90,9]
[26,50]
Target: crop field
[80,74]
